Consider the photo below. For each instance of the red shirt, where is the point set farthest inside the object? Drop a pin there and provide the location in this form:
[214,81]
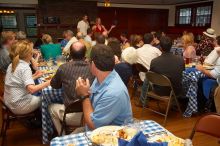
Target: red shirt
[97,29]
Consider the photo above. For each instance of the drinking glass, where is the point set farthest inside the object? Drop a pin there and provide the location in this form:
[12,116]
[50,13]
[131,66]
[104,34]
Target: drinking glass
[133,123]
[195,61]
[60,60]
[50,62]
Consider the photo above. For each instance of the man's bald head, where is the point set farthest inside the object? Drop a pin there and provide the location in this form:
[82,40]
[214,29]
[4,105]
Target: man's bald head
[77,50]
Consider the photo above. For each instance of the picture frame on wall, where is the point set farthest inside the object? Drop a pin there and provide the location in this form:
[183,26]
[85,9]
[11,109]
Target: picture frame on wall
[51,20]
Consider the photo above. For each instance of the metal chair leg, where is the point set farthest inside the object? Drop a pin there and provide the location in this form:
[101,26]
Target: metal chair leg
[167,110]
[6,125]
[178,105]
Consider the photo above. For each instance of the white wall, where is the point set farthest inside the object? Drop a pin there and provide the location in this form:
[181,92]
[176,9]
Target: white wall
[171,8]
[19,1]
[216,16]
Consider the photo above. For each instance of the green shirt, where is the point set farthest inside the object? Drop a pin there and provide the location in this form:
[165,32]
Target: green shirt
[50,51]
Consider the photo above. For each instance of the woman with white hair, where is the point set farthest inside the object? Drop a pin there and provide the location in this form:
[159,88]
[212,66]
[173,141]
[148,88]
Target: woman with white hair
[124,68]
[20,35]
[123,60]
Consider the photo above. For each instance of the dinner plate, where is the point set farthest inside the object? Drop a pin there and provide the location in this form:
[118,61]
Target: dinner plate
[108,135]
[208,67]
[171,139]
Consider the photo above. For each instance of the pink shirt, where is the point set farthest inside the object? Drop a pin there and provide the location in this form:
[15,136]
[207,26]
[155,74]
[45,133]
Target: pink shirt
[189,52]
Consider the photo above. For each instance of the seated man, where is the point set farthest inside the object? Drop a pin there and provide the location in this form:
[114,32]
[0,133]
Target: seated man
[169,65]
[7,39]
[145,55]
[108,101]
[68,34]
[65,78]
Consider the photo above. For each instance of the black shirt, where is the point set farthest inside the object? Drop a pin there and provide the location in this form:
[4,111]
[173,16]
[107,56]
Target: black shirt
[125,71]
[171,66]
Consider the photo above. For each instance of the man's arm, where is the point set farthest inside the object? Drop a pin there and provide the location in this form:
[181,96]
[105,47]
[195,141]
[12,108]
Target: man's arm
[88,110]
[203,70]
[83,90]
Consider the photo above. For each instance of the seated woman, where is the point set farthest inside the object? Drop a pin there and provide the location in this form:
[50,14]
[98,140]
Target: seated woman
[48,49]
[124,67]
[188,42]
[215,73]
[19,82]
[191,77]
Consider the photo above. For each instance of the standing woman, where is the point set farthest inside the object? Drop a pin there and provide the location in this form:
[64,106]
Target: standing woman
[19,82]
[99,28]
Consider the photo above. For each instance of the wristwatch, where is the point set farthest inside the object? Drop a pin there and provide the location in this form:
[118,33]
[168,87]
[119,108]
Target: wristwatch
[84,97]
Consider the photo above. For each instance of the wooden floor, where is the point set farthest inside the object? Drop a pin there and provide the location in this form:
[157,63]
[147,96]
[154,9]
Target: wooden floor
[18,135]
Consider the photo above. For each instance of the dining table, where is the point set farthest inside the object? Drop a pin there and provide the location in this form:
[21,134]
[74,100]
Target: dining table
[81,139]
[190,79]
[49,96]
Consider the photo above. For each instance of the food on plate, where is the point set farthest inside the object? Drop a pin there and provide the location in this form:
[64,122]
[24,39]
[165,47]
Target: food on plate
[109,135]
[171,139]
[105,138]
[49,77]
[70,144]
[126,133]
[42,64]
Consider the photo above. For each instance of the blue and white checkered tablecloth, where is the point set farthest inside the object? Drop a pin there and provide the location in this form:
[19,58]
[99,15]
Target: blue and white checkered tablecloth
[147,127]
[49,96]
[190,83]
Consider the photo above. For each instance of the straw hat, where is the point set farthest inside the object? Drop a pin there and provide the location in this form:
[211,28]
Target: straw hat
[210,33]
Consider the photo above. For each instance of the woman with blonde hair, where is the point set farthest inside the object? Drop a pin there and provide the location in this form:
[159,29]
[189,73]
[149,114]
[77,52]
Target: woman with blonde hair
[19,83]
[48,49]
[188,46]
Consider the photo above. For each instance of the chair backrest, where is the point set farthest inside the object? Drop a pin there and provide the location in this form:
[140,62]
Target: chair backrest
[74,107]
[158,79]
[209,124]
[140,68]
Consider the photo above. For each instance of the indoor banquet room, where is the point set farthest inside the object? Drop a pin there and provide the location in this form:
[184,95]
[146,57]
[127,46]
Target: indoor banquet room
[109,73]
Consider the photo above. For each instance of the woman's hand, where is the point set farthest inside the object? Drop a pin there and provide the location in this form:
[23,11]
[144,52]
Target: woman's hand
[38,74]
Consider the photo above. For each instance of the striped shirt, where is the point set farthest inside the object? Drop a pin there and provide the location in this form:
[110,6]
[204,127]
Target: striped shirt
[66,77]
[15,93]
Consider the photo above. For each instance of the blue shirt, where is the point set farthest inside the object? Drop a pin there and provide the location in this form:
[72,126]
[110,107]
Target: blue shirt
[111,101]
[63,43]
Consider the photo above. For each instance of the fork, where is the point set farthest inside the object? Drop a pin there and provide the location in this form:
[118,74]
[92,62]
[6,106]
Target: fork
[89,142]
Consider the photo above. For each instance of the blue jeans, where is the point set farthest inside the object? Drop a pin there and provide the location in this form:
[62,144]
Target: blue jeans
[144,90]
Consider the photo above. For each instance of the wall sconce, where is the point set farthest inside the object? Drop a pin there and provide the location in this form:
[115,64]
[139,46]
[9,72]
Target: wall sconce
[107,3]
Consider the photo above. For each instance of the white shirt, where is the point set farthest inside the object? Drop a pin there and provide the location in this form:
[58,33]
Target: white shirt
[212,57]
[88,39]
[83,26]
[15,92]
[146,53]
[66,49]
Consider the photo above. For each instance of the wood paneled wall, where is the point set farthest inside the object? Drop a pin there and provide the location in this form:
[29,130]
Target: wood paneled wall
[68,11]
[133,20]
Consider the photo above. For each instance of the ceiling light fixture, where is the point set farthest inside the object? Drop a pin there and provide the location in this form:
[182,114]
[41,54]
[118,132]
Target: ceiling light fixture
[107,3]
